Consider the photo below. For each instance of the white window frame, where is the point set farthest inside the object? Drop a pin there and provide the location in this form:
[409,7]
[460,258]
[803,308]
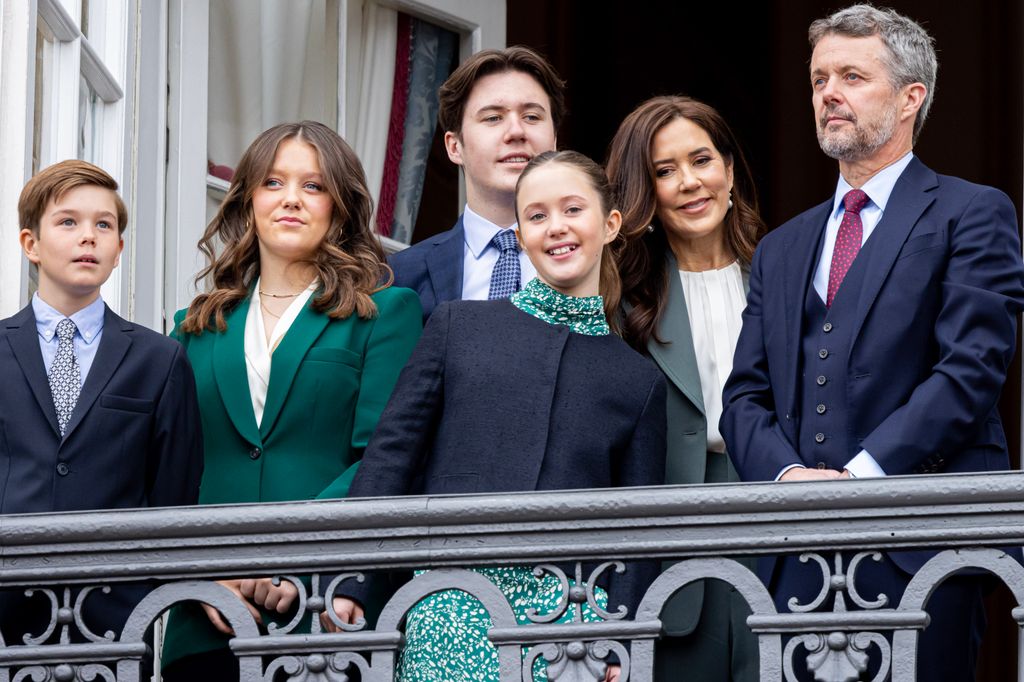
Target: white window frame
[480,25]
[104,60]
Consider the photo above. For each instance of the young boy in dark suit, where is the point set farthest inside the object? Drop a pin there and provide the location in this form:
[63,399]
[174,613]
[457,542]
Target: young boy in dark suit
[96,412]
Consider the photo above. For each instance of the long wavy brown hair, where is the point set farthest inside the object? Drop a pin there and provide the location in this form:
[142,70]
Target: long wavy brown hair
[641,252]
[609,283]
[350,263]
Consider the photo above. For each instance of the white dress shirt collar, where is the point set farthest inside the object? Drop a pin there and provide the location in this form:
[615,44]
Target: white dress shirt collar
[878,188]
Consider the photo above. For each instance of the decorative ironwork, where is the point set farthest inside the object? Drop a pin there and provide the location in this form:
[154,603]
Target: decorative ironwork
[73,559]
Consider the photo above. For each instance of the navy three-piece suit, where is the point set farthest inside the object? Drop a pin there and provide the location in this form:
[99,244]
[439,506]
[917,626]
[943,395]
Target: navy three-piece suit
[907,364]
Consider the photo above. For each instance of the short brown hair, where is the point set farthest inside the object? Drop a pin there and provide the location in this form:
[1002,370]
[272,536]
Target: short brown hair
[53,182]
[455,91]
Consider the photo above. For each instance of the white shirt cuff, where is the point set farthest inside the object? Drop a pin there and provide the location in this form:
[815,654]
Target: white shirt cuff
[791,466]
[864,466]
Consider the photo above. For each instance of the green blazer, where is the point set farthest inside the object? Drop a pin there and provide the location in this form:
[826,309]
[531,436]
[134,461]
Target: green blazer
[329,382]
[687,436]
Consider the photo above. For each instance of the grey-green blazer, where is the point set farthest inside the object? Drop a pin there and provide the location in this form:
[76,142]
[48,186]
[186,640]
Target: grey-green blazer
[687,437]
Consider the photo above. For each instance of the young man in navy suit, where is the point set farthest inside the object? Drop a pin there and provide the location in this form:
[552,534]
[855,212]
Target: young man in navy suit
[95,412]
[880,324]
[499,109]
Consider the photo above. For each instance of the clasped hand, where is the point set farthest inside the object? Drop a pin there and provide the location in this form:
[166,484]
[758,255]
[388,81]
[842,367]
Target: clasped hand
[255,593]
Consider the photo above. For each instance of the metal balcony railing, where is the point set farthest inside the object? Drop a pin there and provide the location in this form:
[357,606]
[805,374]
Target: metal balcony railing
[704,527]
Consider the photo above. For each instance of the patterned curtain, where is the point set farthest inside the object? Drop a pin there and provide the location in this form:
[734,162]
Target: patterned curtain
[428,52]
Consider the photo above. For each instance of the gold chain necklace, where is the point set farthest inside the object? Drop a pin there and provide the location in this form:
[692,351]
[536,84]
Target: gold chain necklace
[264,293]
[268,311]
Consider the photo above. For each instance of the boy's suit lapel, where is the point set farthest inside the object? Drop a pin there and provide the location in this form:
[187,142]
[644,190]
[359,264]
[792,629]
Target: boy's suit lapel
[113,345]
[230,374]
[25,346]
[305,330]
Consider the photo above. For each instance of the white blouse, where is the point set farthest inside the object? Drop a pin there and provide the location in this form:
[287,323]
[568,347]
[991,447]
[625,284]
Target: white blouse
[258,351]
[714,301]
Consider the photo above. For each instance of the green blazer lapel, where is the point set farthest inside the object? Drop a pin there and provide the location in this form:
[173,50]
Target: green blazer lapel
[230,373]
[677,358]
[305,330]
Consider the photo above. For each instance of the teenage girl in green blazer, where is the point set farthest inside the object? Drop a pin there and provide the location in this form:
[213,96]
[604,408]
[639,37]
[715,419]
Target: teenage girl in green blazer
[296,347]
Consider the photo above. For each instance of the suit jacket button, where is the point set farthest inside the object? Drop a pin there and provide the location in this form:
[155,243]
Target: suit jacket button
[827,327]
[819,438]
[821,379]
[820,409]
[821,465]
[63,469]
[255,453]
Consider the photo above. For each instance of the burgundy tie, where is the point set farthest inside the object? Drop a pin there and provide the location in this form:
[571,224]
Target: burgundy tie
[848,240]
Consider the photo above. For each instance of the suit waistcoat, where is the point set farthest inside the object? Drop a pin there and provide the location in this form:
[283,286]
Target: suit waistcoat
[826,439]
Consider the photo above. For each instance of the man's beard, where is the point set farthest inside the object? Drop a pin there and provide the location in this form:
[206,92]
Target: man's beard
[862,140]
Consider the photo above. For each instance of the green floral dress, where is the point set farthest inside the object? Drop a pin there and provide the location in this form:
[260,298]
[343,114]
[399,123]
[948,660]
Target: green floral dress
[446,633]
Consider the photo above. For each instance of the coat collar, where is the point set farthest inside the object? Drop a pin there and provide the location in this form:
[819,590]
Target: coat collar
[230,374]
[912,195]
[114,344]
[445,263]
[676,357]
[288,356]
[24,343]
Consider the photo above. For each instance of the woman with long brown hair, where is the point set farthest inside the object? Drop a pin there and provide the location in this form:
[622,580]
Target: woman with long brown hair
[296,346]
[690,225]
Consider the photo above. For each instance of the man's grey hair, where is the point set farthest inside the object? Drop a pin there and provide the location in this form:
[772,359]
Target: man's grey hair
[910,51]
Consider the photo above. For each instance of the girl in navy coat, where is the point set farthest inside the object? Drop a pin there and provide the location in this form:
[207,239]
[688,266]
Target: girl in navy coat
[533,393]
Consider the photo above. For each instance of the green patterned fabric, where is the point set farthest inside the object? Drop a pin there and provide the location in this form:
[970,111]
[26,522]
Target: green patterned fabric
[582,314]
[446,633]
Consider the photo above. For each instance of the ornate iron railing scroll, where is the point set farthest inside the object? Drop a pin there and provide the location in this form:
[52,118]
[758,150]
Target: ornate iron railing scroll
[70,560]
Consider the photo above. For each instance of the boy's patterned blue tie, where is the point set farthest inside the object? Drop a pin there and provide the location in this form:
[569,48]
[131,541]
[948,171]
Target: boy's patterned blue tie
[65,375]
[506,274]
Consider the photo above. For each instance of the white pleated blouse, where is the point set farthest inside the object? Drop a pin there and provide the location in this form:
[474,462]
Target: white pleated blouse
[714,301]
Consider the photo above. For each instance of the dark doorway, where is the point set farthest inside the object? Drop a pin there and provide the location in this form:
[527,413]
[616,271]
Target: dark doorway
[751,62]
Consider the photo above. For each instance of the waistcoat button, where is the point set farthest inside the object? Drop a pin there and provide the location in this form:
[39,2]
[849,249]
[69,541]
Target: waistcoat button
[821,380]
[819,438]
[822,353]
[827,327]
[820,409]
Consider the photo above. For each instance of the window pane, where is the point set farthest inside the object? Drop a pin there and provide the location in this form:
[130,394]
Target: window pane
[84,23]
[88,104]
[270,62]
[39,100]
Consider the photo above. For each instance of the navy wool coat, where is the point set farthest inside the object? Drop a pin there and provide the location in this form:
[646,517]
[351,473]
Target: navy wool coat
[496,400]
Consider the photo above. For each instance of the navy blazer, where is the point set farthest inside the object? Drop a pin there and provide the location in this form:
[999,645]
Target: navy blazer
[133,440]
[432,268]
[934,334]
[494,400]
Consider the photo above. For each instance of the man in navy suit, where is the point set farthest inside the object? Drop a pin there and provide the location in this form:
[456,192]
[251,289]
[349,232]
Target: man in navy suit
[499,109]
[95,412]
[881,323]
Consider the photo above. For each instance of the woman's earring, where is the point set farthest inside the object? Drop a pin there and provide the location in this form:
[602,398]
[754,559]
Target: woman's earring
[650,228]
[730,200]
